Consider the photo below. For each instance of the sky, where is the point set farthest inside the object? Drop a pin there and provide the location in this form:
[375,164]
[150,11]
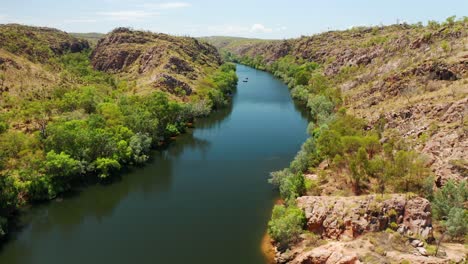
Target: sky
[273,19]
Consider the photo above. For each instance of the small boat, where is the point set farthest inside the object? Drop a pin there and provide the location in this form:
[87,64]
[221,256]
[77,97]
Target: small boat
[245,81]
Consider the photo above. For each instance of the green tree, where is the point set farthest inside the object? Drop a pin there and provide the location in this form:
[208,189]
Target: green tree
[377,170]
[61,168]
[457,222]
[292,186]
[302,77]
[411,170]
[286,225]
[320,106]
[451,195]
[329,144]
[359,166]
[106,166]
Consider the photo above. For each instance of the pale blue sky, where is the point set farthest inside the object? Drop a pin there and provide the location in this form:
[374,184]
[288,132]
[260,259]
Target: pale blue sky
[248,18]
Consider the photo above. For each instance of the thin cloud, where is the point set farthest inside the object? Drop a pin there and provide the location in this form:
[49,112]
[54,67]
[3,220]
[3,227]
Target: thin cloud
[259,28]
[239,30]
[127,15]
[80,20]
[167,5]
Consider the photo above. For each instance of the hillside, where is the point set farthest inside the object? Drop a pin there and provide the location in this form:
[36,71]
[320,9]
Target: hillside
[230,43]
[92,38]
[70,114]
[174,64]
[414,77]
[388,115]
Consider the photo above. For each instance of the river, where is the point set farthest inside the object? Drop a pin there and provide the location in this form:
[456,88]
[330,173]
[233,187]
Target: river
[203,200]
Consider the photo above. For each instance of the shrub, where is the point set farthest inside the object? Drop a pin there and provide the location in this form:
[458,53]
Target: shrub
[292,186]
[449,206]
[106,166]
[320,106]
[451,195]
[329,144]
[286,224]
[457,222]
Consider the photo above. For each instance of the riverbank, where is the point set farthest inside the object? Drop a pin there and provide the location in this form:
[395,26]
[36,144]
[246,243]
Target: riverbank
[178,206]
[360,142]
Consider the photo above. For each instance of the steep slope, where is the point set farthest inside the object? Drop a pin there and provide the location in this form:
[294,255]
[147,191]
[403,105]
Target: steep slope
[230,43]
[155,61]
[70,114]
[388,109]
[27,57]
[414,77]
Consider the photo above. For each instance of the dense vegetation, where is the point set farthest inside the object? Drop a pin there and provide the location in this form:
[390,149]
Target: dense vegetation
[348,150]
[90,127]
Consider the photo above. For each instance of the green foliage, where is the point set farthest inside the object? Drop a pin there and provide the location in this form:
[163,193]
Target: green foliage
[3,127]
[286,225]
[329,144]
[320,108]
[457,222]
[451,195]
[8,195]
[450,21]
[359,165]
[433,25]
[106,166]
[291,185]
[61,169]
[448,205]
[300,93]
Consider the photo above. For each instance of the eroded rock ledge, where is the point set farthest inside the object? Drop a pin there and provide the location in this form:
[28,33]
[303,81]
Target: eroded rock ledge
[348,217]
[350,229]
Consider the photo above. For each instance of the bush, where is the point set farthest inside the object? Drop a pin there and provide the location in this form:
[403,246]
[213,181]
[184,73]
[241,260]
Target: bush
[106,166]
[449,206]
[286,225]
[451,195]
[320,106]
[457,222]
[292,186]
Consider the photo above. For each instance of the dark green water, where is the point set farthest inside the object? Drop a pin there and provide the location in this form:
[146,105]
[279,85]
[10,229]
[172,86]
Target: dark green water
[203,200]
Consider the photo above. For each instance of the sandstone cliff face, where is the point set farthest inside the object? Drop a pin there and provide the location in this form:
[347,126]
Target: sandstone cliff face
[350,232]
[155,61]
[349,217]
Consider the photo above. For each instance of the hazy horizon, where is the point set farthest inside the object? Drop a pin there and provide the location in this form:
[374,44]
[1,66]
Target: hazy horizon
[258,19]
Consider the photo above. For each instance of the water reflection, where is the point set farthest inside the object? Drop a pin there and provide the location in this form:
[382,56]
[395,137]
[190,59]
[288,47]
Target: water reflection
[204,199]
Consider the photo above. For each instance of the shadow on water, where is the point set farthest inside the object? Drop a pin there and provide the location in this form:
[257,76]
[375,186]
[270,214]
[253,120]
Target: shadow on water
[204,198]
[72,208]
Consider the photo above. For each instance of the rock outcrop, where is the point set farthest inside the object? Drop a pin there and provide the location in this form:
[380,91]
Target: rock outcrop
[349,217]
[155,60]
[42,42]
[411,75]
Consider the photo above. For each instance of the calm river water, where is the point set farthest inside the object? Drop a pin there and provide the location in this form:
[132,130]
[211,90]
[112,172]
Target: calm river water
[203,200]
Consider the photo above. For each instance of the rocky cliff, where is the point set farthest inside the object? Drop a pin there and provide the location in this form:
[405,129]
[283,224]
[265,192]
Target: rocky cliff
[155,61]
[413,77]
[28,58]
[408,82]
[349,231]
